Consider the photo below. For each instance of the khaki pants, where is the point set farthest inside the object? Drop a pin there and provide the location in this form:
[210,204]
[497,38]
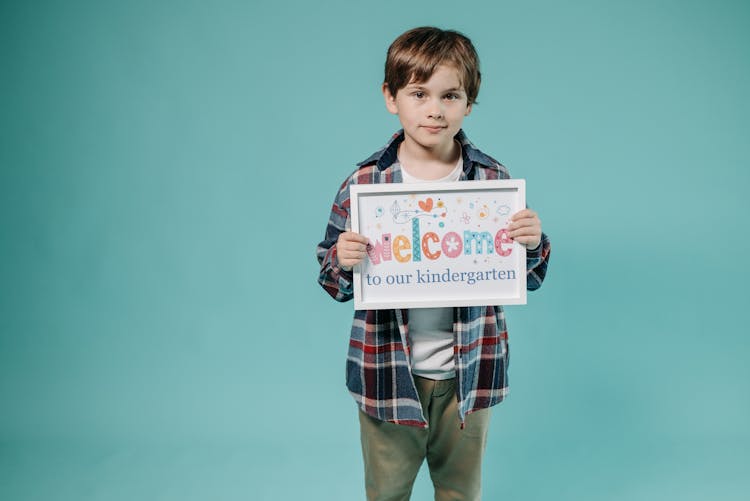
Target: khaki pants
[393,453]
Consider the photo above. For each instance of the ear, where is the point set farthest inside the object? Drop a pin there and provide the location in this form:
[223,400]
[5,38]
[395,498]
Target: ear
[468,110]
[390,100]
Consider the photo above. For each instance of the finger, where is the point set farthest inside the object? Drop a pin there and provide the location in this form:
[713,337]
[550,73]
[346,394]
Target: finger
[524,217]
[345,243]
[526,231]
[351,260]
[352,252]
[525,222]
[523,214]
[348,256]
[359,244]
[356,237]
[353,249]
[528,217]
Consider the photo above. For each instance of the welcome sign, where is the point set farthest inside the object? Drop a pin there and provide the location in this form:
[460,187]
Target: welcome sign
[438,244]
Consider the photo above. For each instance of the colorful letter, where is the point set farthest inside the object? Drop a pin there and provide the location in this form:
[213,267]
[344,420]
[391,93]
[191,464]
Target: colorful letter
[430,235]
[451,244]
[415,238]
[399,244]
[478,239]
[501,237]
[381,250]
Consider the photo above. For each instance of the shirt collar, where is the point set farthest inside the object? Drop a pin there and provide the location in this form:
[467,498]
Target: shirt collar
[387,156]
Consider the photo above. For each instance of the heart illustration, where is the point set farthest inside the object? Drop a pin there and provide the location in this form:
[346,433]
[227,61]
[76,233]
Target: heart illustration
[426,205]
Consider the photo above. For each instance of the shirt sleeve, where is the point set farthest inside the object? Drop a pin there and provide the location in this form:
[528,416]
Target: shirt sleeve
[334,280]
[536,264]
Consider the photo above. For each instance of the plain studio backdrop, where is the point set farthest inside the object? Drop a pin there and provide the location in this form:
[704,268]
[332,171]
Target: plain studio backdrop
[167,169]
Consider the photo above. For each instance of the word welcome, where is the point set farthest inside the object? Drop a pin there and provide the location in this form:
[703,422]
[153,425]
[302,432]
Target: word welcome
[432,246]
[426,277]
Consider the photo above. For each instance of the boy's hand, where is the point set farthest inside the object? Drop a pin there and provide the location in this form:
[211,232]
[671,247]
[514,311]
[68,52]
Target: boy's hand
[526,228]
[350,249]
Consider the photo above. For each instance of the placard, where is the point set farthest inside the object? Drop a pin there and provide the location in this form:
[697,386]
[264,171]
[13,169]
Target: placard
[438,244]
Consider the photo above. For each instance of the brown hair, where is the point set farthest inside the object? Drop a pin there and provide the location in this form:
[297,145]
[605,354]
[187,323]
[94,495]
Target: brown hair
[416,54]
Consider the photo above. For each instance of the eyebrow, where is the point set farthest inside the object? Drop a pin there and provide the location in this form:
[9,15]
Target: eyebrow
[421,87]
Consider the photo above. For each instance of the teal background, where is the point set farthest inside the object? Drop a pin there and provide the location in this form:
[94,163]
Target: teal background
[167,169]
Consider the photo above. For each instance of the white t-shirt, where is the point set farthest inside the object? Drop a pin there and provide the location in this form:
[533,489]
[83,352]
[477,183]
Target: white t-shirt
[431,329]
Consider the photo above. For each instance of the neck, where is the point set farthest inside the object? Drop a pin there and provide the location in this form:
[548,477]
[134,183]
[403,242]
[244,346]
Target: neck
[411,152]
[427,164]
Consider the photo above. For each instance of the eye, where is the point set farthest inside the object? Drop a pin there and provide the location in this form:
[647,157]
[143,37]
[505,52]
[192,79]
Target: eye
[418,94]
[452,97]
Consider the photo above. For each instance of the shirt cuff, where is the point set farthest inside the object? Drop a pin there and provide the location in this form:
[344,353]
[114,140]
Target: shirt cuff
[535,252]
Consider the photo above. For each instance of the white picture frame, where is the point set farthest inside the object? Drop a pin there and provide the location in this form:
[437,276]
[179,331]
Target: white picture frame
[463,255]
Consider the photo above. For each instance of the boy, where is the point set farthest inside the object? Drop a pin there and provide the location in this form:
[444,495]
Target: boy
[425,378]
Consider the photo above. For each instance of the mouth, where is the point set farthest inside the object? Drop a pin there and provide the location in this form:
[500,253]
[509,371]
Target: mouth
[434,128]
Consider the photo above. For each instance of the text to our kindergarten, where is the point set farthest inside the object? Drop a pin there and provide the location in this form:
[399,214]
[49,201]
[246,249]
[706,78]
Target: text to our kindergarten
[428,277]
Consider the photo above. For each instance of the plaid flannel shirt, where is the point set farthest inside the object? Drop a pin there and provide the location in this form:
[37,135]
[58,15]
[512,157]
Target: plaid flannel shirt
[378,369]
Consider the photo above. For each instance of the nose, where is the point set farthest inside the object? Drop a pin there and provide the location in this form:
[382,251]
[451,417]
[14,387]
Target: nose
[436,111]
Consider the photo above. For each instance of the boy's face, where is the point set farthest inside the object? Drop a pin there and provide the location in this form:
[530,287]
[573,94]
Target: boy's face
[431,112]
